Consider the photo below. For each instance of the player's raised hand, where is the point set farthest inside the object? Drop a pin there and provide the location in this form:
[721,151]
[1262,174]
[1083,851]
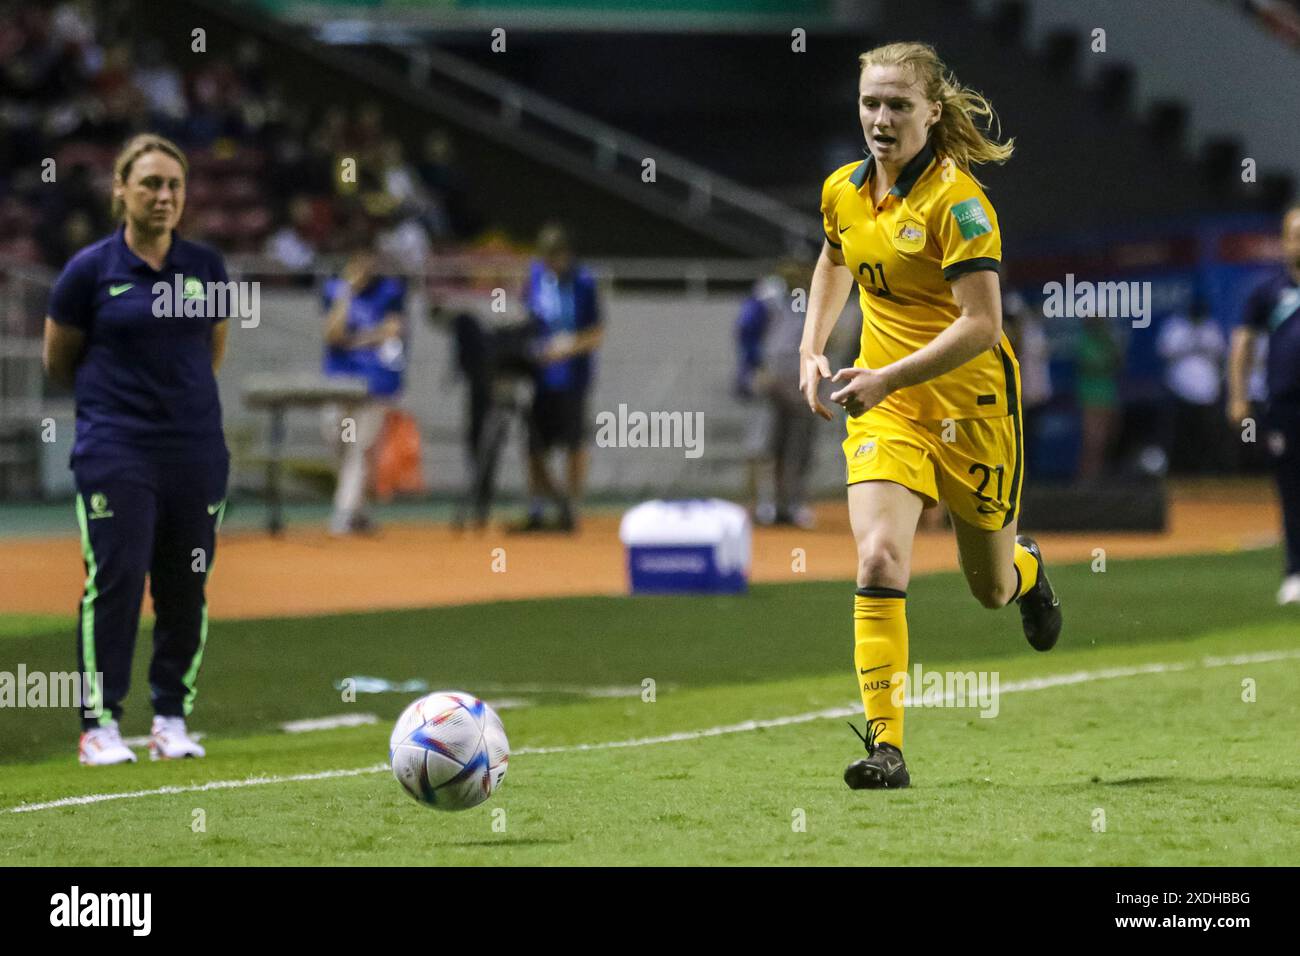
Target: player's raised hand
[812,369]
[866,389]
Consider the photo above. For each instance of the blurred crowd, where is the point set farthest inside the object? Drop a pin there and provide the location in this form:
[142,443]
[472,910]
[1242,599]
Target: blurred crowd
[76,81]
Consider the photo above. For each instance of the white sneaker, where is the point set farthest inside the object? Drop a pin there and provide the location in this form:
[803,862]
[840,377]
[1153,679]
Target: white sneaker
[168,740]
[103,746]
[1289,592]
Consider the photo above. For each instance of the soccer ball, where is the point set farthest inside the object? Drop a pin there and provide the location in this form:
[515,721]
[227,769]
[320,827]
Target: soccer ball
[449,750]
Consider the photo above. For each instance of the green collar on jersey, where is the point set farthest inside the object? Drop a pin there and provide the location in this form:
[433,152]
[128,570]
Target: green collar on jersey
[906,179]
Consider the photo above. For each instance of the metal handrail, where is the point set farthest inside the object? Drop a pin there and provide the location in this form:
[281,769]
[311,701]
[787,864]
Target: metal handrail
[602,135]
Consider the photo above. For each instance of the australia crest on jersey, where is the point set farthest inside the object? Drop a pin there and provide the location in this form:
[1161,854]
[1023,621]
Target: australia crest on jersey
[909,235]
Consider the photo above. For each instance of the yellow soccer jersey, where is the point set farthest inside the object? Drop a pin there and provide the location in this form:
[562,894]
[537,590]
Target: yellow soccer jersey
[933,226]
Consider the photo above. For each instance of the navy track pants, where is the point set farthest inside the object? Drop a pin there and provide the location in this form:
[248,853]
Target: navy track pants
[139,518]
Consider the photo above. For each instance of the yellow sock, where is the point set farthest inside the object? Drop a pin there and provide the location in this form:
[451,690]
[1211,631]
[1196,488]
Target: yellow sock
[1027,567]
[880,652]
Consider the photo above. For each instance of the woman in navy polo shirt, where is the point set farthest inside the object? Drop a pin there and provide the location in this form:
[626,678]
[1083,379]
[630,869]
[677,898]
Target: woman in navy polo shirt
[136,328]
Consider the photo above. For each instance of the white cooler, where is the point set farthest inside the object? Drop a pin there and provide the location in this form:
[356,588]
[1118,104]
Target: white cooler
[699,545]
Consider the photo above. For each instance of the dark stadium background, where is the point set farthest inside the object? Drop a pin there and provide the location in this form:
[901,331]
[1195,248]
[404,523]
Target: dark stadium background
[1112,179]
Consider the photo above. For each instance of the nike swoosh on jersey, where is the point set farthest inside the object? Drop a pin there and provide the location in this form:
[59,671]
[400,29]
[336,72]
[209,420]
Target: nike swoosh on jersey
[870,669]
[119,289]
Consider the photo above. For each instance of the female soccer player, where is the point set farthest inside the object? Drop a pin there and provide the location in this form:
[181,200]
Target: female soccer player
[934,397]
[136,327]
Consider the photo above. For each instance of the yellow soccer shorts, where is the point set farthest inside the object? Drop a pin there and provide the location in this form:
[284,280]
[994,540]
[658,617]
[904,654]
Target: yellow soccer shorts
[974,465]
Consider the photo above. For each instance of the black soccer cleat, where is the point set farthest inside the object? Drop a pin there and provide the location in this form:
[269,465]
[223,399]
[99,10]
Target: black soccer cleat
[881,769]
[1040,608]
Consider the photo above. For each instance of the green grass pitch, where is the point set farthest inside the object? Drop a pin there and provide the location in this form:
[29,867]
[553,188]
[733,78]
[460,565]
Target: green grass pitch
[1139,749]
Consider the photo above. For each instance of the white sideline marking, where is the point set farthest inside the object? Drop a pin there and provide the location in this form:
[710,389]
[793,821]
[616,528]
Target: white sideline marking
[328,723]
[197,788]
[1031,684]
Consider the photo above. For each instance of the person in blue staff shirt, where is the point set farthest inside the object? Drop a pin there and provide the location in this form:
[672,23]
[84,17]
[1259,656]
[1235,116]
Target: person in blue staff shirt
[365,338]
[564,311]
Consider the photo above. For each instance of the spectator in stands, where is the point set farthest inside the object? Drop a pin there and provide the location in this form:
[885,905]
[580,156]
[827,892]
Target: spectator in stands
[162,87]
[367,134]
[420,206]
[780,435]
[78,79]
[250,67]
[365,337]
[352,226]
[1193,348]
[402,238]
[295,165]
[78,199]
[399,179]
[330,140]
[291,245]
[450,215]
[561,301]
[1099,363]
